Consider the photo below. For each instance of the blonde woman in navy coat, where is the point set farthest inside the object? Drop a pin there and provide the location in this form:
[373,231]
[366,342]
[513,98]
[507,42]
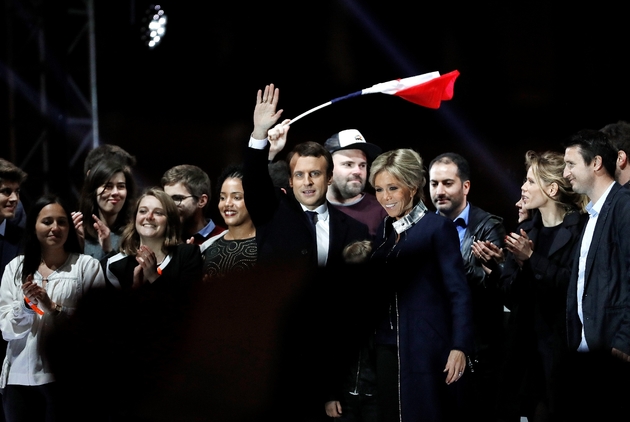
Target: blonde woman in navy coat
[425,333]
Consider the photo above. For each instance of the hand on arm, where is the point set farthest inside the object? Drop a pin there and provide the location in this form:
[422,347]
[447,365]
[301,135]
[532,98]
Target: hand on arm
[455,366]
[265,114]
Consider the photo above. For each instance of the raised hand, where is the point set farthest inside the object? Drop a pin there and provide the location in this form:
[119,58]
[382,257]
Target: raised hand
[265,114]
[278,138]
[77,220]
[103,234]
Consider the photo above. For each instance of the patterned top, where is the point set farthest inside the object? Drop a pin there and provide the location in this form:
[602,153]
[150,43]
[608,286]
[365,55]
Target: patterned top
[227,256]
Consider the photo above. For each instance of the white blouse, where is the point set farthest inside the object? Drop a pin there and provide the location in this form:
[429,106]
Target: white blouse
[23,328]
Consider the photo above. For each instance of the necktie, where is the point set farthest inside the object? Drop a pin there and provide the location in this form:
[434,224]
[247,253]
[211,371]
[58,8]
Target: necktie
[312,217]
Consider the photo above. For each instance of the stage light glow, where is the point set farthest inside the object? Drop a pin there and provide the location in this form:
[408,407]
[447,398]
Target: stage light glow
[155,26]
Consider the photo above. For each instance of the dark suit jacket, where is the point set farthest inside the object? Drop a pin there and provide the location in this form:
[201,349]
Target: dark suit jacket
[10,244]
[313,318]
[606,300]
[283,232]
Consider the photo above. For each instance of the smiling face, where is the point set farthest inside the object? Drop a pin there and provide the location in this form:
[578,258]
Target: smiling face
[393,195]
[9,196]
[52,226]
[232,203]
[111,196]
[448,192]
[577,172]
[349,174]
[151,218]
[309,180]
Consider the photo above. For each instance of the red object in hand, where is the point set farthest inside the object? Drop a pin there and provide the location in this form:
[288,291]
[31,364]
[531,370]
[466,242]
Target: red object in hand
[33,306]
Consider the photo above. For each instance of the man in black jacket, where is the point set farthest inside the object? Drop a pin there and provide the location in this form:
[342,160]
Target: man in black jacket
[449,179]
[301,230]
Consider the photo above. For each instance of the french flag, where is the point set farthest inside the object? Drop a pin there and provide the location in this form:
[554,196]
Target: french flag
[427,90]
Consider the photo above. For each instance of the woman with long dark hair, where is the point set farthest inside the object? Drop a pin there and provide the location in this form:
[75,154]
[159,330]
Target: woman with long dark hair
[107,194]
[39,289]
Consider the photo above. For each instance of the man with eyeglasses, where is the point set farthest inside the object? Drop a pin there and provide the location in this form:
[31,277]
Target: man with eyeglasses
[189,186]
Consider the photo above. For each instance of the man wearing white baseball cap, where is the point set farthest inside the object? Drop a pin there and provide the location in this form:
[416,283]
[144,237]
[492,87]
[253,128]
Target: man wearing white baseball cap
[351,157]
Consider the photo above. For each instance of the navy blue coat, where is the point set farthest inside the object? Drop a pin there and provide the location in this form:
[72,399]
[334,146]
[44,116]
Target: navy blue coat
[430,313]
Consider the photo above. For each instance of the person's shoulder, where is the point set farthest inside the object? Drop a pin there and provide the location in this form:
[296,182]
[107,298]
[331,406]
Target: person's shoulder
[479,214]
[574,217]
[13,231]
[188,249]
[336,213]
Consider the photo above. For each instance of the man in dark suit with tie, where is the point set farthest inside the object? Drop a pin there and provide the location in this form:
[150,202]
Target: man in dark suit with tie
[11,177]
[311,248]
[282,225]
[598,297]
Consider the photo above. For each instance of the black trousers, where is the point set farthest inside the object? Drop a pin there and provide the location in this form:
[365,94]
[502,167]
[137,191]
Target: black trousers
[23,403]
[594,386]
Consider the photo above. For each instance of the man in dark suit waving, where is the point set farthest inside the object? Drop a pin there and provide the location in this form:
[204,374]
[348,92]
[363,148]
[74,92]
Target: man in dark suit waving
[598,296]
[283,223]
[310,247]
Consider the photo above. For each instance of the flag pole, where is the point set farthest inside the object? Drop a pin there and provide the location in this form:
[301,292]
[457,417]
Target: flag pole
[354,94]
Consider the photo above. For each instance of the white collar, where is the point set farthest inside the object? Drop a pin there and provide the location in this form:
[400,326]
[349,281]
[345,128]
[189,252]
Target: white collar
[410,219]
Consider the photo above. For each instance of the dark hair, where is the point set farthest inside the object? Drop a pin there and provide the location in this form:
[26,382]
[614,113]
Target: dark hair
[88,202]
[130,239]
[463,168]
[11,172]
[280,174]
[619,135]
[32,247]
[312,149]
[108,152]
[593,143]
[233,171]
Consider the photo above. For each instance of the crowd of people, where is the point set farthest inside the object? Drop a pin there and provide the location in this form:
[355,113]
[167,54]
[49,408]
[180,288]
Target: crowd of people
[318,296]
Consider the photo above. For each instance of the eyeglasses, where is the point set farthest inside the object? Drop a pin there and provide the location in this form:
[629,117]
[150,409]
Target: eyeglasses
[179,198]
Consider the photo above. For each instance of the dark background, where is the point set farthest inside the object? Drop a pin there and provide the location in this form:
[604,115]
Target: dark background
[531,74]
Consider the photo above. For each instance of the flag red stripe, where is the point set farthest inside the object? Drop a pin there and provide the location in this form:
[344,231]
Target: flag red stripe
[430,94]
